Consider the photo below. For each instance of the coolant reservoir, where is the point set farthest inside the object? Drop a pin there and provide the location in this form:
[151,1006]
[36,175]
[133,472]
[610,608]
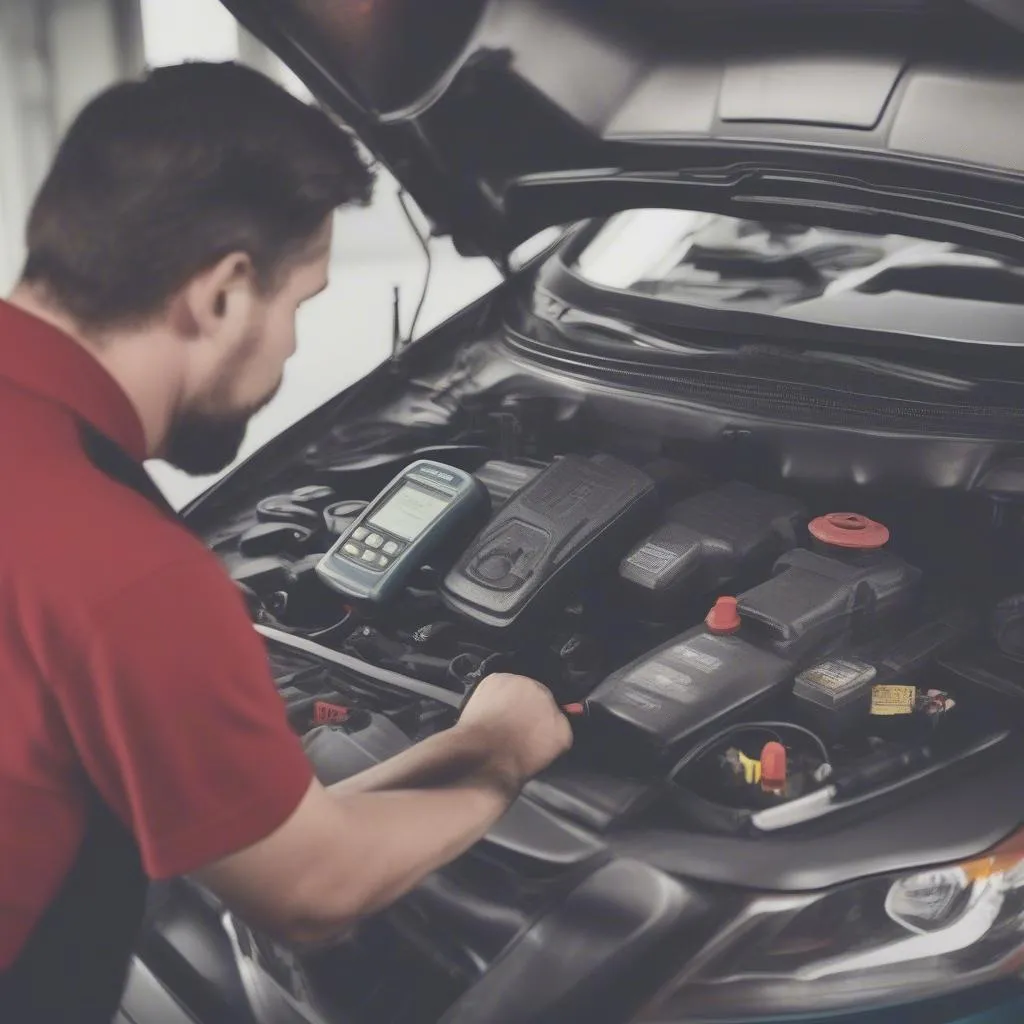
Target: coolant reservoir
[817,597]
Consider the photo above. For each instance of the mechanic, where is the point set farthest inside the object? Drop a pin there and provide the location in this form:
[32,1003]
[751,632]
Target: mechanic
[185,219]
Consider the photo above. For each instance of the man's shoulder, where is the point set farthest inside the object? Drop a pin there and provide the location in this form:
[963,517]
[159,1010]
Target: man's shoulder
[88,537]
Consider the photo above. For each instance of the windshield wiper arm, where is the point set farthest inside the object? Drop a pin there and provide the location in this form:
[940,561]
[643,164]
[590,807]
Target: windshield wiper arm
[619,330]
[889,368]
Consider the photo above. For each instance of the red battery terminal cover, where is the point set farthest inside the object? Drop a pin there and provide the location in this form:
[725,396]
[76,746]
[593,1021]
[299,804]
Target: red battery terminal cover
[774,770]
[724,618]
[849,530]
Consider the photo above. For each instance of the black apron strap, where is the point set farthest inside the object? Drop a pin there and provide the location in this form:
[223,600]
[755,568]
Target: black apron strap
[73,968]
[117,464]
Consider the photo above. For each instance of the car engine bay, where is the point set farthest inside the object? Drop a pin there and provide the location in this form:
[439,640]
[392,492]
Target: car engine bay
[735,660]
[790,652]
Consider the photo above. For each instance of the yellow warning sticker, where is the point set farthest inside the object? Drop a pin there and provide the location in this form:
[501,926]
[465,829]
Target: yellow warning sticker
[893,700]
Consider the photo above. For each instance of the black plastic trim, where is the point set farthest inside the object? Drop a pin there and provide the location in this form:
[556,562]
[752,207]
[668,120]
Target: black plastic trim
[953,819]
[147,1001]
[585,960]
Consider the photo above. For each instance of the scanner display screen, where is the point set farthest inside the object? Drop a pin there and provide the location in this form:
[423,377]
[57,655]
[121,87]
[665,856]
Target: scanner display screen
[408,512]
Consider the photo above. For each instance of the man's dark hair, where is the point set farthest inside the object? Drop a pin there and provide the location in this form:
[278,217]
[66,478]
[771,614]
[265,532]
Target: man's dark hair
[158,179]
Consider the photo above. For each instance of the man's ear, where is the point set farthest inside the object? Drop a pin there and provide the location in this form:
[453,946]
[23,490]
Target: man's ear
[217,304]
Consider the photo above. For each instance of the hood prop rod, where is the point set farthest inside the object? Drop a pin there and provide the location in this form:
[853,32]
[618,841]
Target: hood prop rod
[398,343]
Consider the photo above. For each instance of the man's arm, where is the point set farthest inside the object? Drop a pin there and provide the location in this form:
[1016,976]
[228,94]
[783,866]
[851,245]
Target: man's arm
[343,856]
[354,849]
[167,692]
[434,763]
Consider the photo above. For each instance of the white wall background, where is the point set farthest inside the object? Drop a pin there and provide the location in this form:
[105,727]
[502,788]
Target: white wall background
[53,57]
[187,30]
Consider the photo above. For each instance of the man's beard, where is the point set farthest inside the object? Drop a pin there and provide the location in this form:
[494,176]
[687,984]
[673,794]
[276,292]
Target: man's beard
[204,443]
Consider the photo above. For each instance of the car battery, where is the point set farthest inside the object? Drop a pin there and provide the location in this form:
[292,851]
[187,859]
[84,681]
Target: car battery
[670,694]
[709,540]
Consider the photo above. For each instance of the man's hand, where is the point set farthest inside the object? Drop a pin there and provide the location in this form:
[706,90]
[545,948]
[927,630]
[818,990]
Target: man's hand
[520,724]
[346,853]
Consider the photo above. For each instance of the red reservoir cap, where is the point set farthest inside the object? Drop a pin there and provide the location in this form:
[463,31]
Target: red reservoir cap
[724,617]
[773,766]
[849,530]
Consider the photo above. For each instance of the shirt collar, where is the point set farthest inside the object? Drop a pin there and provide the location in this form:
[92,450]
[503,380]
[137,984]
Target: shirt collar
[43,360]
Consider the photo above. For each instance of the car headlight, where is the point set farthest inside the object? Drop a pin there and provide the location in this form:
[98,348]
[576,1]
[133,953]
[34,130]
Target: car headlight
[877,942]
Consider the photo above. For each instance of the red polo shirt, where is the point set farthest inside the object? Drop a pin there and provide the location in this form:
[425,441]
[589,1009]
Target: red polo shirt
[127,657]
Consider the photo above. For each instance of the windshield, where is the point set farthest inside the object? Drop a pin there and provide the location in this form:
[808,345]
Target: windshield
[888,283]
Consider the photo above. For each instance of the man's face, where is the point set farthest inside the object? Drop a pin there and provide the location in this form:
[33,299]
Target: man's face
[206,435]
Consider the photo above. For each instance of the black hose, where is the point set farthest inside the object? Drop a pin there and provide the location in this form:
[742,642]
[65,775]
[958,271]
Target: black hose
[363,669]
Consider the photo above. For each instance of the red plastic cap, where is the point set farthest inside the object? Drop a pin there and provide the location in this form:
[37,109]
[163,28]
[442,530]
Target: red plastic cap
[849,530]
[724,617]
[325,713]
[574,710]
[773,765]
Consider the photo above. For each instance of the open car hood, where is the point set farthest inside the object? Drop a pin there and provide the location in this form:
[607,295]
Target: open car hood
[503,117]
